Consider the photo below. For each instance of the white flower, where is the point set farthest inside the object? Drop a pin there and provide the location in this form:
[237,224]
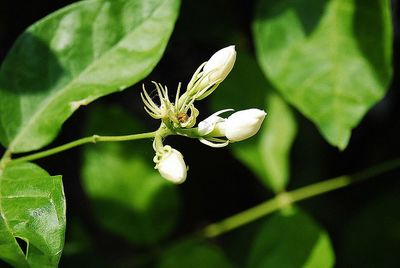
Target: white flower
[237,127]
[208,125]
[243,124]
[219,65]
[172,166]
[208,76]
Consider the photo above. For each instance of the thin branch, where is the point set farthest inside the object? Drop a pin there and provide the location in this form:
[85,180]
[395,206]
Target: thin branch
[287,198]
[72,144]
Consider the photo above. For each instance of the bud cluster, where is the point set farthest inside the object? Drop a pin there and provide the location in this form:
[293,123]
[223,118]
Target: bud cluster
[179,116]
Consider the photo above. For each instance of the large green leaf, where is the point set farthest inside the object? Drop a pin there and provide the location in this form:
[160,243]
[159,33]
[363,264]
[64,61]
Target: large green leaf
[74,56]
[194,253]
[330,59]
[291,239]
[128,195]
[267,154]
[32,209]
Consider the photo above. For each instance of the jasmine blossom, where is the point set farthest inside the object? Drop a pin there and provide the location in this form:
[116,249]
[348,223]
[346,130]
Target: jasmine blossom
[237,127]
[172,166]
[244,124]
[178,115]
[219,65]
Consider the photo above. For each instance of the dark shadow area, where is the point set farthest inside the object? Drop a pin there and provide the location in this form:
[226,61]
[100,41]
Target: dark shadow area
[16,16]
[22,244]
[4,265]
[117,217]
[376,227]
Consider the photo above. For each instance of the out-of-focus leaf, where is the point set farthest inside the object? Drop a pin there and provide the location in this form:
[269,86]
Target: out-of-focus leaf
[74,56]
[292,239]
[77,240]
[128,195]
[239,241]
[194,254]
[32,209]
[267,154]
[80,248]
[372,238]
[330,59]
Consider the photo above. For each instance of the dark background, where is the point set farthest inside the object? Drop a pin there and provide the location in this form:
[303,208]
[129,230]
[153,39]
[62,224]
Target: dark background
[202,28]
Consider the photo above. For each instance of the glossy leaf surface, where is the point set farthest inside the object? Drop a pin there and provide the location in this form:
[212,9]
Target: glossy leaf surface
[74,56]
[32,214]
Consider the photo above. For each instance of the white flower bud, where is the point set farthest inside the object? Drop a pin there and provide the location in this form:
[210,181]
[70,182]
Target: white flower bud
[172,167]
[219,65]
[208,125]
[244,124]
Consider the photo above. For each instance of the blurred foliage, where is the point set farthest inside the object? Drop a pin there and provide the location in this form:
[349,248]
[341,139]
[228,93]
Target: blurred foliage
[267,154]
[372,238]
[291,239]
[193,253]
[128,196]
[329,60]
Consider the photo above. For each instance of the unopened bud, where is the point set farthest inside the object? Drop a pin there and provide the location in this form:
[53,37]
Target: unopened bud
[172,166]
[244,124]
[219,65]
[208,125]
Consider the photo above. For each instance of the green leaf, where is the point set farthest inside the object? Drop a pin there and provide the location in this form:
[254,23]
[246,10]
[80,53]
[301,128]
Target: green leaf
[267,154]
[74,56]
[330,59]
[291,239]
[129,197]
[194,253]
[32,209]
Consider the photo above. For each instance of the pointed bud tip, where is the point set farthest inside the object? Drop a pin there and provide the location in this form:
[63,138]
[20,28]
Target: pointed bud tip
[258,113]
[220,64]
[244,124]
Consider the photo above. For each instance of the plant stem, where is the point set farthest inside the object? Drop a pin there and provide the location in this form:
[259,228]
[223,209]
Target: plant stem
[90,139]
[285,199]
[5,159]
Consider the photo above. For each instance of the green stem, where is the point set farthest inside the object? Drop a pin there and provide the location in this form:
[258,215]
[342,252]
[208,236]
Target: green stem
[90,139]
[5,159]
[189,132]
[285,199]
